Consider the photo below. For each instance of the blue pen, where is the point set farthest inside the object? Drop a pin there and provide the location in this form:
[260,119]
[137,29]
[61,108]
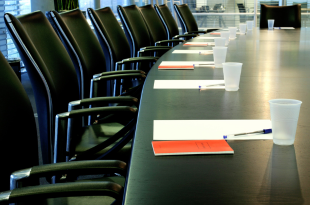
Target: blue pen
[264,131]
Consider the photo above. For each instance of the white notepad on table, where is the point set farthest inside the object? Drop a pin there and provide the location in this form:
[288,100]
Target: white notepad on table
[199,44]
[189,84]
[193,51]
[209,129]
[284,28]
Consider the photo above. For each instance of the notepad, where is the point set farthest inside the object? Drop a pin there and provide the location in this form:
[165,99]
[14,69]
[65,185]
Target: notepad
[199,44]
[191,147]
[193,51]
[186,63]
[189,84]
[284,28]
[209,129]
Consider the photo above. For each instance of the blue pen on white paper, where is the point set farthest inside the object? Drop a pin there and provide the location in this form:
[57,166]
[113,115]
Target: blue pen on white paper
[264,131]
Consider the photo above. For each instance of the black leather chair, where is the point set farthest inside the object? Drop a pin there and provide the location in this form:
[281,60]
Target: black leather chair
[284,16]
[137,32]
[156,28]
[54,80]
[20,161]
[168,21]
[114,42]
[187,20]
[87,55]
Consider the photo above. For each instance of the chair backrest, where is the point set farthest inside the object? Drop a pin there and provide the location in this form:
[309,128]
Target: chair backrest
[304,5]
[167,19]
[110,34]
[284,16]
[50,69]
[135,28]
[19,145]
[154,24]
[186,18]
[82,45]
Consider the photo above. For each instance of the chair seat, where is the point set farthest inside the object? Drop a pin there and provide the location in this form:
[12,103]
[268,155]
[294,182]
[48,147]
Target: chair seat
[98,133]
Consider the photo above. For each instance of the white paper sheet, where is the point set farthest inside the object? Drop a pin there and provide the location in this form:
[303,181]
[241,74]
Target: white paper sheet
[284,28]
[199,44]
[189,84]
[204,37]
[209,129]
[193,51]
[185,63]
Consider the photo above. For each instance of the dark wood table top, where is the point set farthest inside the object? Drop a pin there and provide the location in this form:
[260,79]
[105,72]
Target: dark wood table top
[276,64]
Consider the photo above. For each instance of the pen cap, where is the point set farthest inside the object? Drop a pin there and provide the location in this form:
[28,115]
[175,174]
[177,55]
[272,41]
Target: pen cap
[266,131]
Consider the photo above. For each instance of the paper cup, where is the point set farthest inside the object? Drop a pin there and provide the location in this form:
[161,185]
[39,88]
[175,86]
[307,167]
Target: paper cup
[219,54]
[220,42]
[225,34]
[249,25]
[232,73]
[232,32]
[284,117]
[270,24]
[242,28]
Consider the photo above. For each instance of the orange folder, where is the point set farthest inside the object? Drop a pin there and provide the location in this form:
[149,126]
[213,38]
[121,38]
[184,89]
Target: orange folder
[189,147]
[215,33]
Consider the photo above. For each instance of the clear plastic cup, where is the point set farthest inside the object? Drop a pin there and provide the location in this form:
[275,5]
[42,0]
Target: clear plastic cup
[249,25]
[225,34]
[219,55]
[220,42]
[270,24]
[232,73]
[242,28]
[284,117]
[232,32]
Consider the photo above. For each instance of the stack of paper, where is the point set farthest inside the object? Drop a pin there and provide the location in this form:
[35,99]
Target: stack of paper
[209,129]
[189,84]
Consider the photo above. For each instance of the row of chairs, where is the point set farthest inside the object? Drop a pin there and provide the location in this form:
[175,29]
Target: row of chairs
[66,64]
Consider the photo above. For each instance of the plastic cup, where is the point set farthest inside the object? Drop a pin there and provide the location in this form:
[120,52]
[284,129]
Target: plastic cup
[284,117]
[242,28]
[232,32]
[249,25]
[219,54]
[225,34]
[220,42]
[270,24]
[232,73]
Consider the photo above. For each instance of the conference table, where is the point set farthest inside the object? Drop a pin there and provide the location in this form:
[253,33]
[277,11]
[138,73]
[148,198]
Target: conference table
[276,64]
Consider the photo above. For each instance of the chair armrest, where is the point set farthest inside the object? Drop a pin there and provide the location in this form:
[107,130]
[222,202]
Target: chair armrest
[118,72]
[194,32]
[185,36]
[105,100]
[63,190]
[169,41]
[75,167]
[151,47]
[154,49]
[92,111]
[139,59]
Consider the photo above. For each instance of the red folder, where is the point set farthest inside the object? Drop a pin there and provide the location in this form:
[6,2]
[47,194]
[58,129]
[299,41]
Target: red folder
[189,147]
[215,33]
